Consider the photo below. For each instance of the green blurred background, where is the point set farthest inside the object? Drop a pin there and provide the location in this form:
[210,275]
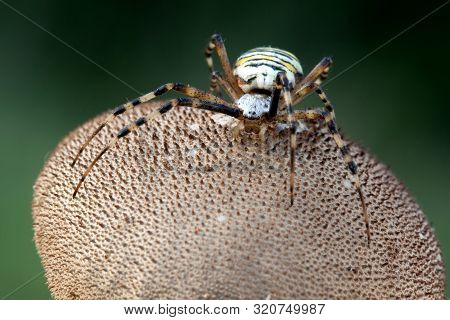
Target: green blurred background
[395,102]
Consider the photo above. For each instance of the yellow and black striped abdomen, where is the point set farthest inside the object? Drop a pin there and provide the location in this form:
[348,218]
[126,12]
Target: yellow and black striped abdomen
[278,59]
[259,67]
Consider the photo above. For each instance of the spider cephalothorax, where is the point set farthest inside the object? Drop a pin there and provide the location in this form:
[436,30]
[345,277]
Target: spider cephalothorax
[263,86]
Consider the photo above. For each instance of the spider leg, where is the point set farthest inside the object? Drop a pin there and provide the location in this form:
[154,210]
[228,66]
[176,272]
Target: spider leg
[168,105]
[317,75]
[262,132]
[237,129]
[276,93]
[214,86]
[282,85]
[330,121]
[313,116]
[216,43]
[179,87]
[217,79]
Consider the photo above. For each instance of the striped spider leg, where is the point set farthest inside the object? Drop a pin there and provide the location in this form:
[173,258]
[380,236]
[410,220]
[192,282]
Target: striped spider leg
[311,83]
[185,89]
[282,84]
[292,117]
[167,106]
[216,43]
[217,79]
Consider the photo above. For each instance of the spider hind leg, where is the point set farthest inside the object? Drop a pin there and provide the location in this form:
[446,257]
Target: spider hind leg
[330,122]
[311,84]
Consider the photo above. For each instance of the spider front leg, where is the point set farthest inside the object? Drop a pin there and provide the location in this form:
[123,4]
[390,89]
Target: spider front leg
[187,102]
[179,87]
[330,121]
[216,43]
[282,85]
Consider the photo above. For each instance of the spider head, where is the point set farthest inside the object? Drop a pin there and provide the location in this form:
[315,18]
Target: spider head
[257,69]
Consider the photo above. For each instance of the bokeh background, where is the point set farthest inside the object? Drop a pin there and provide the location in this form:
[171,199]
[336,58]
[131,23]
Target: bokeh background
[395,102]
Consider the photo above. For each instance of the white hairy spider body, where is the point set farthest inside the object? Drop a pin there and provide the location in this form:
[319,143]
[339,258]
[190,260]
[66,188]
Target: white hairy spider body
[254,105]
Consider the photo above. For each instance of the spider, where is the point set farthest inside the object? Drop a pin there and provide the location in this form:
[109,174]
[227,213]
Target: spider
[264,81]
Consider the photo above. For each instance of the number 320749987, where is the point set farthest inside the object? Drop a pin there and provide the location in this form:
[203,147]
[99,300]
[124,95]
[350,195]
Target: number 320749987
[290,308]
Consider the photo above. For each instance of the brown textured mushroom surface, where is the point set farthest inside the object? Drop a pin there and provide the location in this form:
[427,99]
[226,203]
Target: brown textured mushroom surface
[180,211]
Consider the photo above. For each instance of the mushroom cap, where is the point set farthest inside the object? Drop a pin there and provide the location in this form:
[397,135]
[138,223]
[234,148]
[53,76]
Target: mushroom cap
[179,210]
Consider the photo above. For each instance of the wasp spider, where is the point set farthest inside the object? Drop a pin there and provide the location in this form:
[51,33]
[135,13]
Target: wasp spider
[264,80]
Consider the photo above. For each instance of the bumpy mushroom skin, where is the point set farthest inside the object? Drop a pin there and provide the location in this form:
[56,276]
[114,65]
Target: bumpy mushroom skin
[179,211]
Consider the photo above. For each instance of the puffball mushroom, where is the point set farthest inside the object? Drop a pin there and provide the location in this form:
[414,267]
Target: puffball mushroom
[178,210]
